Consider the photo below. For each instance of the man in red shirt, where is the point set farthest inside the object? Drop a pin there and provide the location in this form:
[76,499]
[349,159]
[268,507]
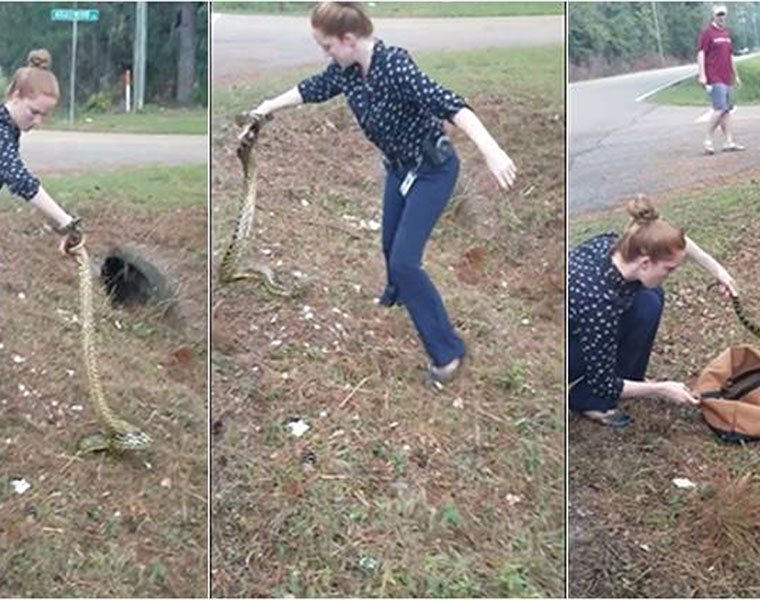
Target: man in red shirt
[717,73]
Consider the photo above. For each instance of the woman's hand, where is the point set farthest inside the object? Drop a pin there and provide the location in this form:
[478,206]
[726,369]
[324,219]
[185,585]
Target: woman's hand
[72,243]
[727,283]
[262,110]
[677,392]
[73,238]
[497,160]
[712,266]
[502,167]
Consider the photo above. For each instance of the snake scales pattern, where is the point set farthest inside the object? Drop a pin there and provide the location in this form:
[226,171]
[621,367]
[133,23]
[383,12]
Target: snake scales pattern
[749,324]
[228,269]
[119,435]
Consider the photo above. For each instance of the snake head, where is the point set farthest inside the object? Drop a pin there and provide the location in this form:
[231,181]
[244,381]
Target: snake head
[253,122]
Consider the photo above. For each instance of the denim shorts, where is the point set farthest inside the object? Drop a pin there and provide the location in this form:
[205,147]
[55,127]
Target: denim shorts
[722,96]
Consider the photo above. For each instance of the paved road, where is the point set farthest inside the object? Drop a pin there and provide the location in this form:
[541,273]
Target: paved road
[54,151]
[620,146]
[245,45]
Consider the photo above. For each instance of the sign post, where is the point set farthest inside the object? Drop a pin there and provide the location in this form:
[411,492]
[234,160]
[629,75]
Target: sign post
[127,86]
[74,15]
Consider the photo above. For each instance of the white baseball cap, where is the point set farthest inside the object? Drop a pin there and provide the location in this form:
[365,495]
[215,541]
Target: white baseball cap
[719,9]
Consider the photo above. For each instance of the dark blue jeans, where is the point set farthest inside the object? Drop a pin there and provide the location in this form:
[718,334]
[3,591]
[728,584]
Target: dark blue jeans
[407,224]
[638,327]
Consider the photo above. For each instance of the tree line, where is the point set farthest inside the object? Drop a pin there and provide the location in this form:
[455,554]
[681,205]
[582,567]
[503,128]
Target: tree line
[606,38]
[177,48]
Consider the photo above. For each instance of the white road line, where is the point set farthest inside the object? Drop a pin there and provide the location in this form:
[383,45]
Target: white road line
[691,74]
[665,85]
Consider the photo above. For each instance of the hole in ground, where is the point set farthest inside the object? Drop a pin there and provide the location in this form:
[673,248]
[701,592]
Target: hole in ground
[126,284]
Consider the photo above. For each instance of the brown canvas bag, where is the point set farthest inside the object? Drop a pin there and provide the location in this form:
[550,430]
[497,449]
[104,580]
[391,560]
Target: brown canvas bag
[730,391]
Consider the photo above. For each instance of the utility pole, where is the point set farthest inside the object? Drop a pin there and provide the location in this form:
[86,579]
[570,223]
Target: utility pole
[139,53]
[72,98]
[657,32]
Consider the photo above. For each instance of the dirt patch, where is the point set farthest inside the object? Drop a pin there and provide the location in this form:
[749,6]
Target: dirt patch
[394,490]
[633,533]
[101,526]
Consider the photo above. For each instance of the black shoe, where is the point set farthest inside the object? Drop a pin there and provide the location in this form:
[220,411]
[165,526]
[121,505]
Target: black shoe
[389,297]
[440,376]
[615,419]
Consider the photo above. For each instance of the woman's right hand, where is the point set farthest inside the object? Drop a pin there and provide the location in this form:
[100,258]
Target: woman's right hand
[72,243]
[676,391]
[262,109]
[73,238]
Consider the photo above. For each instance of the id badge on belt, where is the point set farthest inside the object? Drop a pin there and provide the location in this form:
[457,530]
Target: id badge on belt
[408,182]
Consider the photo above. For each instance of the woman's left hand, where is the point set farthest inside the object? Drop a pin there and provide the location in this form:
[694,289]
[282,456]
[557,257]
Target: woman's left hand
[727,283]
[502,168]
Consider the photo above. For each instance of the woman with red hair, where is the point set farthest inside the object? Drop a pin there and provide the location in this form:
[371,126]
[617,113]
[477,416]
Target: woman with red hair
[31,95]
[614,306]
[401,111]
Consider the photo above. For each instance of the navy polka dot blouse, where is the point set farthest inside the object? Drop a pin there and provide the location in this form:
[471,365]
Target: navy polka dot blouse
[13,173]
[397,105]
[597,297]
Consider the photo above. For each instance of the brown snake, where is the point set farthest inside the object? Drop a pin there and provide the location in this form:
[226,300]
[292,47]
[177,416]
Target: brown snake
[749,324]
[118,435]
[741,314]
[228,269]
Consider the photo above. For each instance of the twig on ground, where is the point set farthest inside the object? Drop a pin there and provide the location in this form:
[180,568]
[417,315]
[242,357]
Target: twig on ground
[353,391]
[328,225]
[487,414]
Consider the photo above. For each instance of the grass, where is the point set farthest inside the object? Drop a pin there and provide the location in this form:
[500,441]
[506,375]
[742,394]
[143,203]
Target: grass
[173,187]
[632,532]
[395,490]
[535,71]
[152,119]
[710,217]
[105,526]
[690,93]
[406,9]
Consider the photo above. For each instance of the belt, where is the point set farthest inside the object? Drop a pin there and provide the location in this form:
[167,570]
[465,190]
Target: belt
[436,150]
[401,165]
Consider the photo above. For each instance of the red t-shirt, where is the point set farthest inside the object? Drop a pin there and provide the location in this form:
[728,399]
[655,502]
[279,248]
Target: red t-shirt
[716,43]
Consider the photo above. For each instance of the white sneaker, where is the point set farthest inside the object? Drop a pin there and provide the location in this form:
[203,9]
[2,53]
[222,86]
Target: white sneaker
[732,147]
[709,148]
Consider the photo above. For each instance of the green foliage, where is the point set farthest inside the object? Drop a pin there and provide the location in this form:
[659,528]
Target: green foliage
[691,93]
[169,186]
[104,47]
[450,515]
[151,119]
[513,377]
[533,70]
[516,583]
[610,37]
[98,103]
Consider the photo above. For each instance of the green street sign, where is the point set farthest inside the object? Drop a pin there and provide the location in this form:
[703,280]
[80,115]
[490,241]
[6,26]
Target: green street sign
[71,14]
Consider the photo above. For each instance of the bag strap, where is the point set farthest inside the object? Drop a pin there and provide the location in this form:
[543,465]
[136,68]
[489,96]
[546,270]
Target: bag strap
[736,388]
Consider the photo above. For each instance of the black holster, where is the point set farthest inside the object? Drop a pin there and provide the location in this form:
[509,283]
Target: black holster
[437,150]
